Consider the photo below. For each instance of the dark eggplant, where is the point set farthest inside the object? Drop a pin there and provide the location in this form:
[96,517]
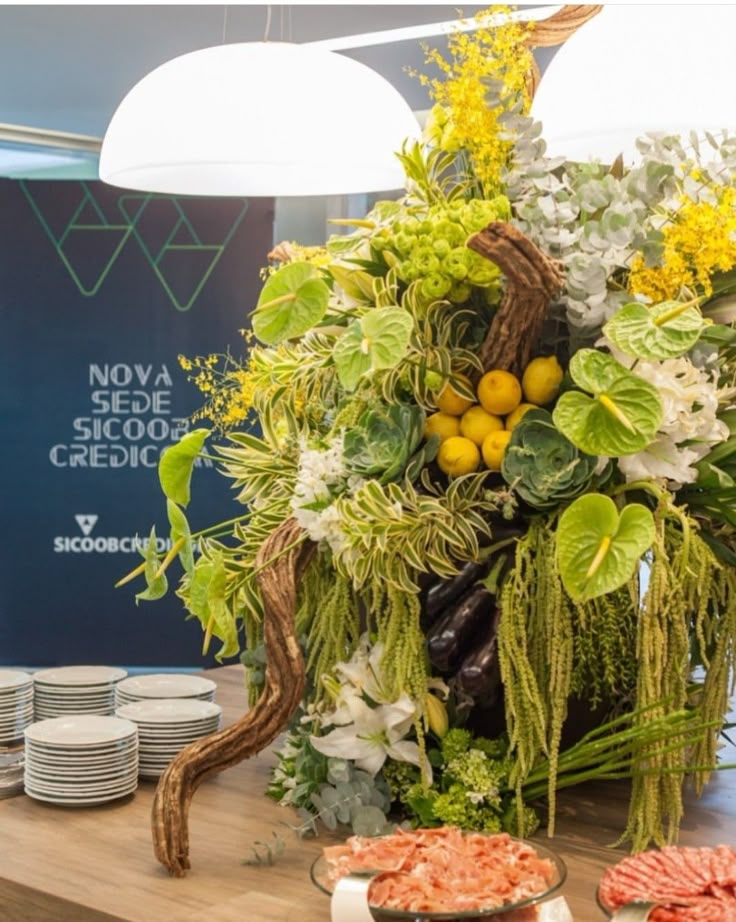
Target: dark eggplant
[447,640]
[444,593]
[479,674]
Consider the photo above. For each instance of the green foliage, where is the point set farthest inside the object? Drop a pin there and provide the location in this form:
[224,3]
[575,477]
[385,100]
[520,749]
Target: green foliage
[598,549]
[662,331]
[156,583]
[383,440]
[180,532]
[293,300]
[378,340]
[543,466]
[177,463]
[622,416]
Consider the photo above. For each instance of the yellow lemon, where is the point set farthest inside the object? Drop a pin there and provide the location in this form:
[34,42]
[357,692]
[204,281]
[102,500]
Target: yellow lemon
[541,379]
[513,418]
[499,392]
[458,456]
[476,424]
[441,424]
[449,401]
[494,448]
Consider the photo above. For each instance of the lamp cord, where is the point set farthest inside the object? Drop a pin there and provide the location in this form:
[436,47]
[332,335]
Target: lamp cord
[268,23]
[224,24]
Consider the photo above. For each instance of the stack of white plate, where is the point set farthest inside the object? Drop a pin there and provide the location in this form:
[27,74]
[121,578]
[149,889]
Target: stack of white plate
[80,760]
[16,705]
[166,726]
[12,760]
[75,690]
[164,685]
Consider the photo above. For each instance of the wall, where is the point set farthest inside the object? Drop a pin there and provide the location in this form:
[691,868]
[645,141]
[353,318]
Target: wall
[100,291]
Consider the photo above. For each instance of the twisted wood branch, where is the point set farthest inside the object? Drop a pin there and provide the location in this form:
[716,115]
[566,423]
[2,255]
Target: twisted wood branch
[533,279]
[284,559]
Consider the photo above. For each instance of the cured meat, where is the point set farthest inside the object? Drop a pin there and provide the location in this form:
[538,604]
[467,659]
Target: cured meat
[444,870]
[694,884]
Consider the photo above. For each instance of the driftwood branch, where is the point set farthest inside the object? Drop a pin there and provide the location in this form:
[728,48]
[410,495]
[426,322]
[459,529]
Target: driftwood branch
[533,279]
[284,685]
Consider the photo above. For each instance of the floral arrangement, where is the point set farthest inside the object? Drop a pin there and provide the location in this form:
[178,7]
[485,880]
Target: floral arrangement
[508,520]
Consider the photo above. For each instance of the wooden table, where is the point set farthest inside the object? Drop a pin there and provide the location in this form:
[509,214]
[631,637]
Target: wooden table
[62,864]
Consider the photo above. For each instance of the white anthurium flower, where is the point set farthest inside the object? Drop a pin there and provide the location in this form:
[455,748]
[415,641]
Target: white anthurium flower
[374,735]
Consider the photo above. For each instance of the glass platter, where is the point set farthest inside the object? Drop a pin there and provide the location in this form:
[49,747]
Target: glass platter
[319,874]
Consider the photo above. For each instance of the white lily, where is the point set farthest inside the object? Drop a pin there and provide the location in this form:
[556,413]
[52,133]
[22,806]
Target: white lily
[374,735]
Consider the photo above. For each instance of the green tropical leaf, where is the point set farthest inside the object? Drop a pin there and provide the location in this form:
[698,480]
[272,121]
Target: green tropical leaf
[177,463]
[292,301]
[156,585]
[598,549]
[180,529]
[206,600]
[356,283]
[622,416]
[378,341]
[663,331]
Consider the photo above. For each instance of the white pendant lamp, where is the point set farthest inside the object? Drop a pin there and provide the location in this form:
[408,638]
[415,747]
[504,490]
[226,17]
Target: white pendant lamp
[635,69]
[258,119]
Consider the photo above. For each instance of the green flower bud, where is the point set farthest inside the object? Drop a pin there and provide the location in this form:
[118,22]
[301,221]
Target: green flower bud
[441,246]
[436,286]
[459,292]
[456,263]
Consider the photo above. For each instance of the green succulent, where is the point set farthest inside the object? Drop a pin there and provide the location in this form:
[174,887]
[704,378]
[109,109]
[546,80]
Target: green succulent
[543,466]
[383,441]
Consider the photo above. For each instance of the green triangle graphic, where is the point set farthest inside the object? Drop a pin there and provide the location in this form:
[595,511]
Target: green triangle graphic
[88,244]
[55,204]
[155,219]
[184,272]
[183,236]
[90,253]
[184,262]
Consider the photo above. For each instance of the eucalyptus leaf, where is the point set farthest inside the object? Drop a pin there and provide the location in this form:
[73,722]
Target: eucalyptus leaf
[177,463]
[156,585]
[368,821]
[622,416]
[663,331]
[377,341]
[292,301]
[597,549]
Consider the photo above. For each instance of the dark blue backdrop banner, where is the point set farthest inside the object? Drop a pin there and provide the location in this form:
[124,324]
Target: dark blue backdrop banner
[100,291]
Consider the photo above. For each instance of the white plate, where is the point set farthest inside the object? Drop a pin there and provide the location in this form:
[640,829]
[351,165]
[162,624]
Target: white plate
[17,707]
[17,696]
[81,756]
[78,786]
[166,685]
[44,713]
[64,697]
[81,731]
[166,731]
[79,675]
[14,678]
[53,751]
[74,785]
[82,801]
[170,711]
